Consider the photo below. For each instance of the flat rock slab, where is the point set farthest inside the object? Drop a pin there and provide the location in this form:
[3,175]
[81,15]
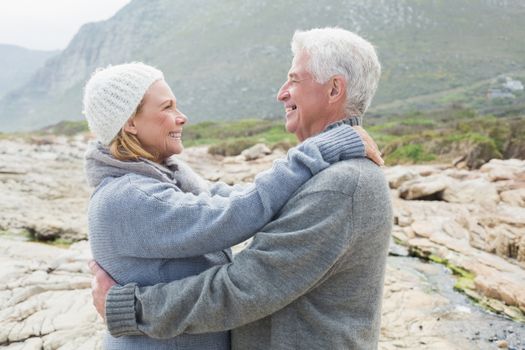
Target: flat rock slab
[43,187]
[45,300]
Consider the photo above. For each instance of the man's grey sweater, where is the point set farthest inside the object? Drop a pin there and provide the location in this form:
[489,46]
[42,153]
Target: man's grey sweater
[311,279]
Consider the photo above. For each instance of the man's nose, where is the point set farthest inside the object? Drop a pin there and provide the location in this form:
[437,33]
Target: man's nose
[283,93]
[181,119]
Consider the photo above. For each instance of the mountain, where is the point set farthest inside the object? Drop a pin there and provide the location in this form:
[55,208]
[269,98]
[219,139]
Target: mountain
[18,65]
[227,59]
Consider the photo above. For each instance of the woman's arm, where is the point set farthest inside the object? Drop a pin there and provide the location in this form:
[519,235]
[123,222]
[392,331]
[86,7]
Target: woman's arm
[159,222]
[223,189]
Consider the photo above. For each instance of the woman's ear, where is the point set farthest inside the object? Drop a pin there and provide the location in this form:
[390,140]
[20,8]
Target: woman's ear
[337,88]
[130,126]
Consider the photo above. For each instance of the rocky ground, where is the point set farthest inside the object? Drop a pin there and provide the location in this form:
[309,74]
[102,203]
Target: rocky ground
[467,227]
[43,189]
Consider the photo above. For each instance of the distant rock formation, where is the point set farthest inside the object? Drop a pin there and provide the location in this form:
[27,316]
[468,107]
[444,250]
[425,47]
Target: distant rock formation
[18,65]
[226,60]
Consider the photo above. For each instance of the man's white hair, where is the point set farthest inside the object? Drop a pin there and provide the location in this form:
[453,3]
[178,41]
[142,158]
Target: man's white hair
[335,51]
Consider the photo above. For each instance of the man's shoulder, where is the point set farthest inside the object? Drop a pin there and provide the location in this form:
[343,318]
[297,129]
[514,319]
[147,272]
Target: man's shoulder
[346,177]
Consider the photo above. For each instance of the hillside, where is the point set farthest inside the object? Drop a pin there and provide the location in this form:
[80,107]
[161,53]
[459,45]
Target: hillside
[486,96]
[18,64]
[226,60]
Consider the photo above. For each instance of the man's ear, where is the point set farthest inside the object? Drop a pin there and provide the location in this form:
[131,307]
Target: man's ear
[130,126]
[337,88]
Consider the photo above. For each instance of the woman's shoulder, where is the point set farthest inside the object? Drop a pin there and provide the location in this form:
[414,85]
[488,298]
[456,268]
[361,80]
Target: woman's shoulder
[133,185]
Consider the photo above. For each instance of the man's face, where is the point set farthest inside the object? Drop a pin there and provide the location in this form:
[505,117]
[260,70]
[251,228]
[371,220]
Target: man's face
[305,100]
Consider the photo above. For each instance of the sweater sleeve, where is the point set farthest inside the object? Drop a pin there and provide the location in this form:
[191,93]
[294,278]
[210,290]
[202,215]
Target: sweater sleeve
[158,222]
[275,270]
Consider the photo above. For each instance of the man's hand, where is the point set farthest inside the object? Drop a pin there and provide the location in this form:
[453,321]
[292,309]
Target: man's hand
[372,152]
[100,286]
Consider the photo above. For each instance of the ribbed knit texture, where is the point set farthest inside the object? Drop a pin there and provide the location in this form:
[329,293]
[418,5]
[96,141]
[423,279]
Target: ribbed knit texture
[144,228]
[122,299]
[335,145]
[112,95]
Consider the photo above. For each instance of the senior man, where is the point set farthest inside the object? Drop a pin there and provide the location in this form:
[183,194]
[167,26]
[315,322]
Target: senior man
[313,277]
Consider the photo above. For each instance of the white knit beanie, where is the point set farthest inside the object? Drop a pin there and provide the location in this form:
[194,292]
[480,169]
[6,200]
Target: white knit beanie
[112,95]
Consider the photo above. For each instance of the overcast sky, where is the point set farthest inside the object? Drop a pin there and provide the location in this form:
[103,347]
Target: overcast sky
[50,24]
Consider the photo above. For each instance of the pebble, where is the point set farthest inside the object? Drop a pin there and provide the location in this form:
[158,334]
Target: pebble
[502,344]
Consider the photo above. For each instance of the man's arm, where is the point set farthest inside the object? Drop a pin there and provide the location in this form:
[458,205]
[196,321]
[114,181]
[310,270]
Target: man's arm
[284,262]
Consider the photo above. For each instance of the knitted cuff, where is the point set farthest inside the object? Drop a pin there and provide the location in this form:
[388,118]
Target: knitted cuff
[339,143]
[120,311]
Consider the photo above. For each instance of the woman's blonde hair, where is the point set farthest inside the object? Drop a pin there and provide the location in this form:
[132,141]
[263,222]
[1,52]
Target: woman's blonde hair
[127,147]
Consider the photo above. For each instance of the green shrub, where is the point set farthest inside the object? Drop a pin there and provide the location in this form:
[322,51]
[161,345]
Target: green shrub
[231,148]
[418,122]
[227,137]
[410,138]
[284,145]
[67,128]
[410,153]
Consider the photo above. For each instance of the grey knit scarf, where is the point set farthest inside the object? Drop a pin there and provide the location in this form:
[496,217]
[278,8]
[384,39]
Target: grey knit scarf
[100,164]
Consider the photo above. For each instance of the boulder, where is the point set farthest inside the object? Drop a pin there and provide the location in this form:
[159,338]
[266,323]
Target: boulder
[477,191]
[430,187]
[398,175]
[514,197]
[256,151]
[498,169]
[480,153]
[465,235]
[48,180]
[45,297]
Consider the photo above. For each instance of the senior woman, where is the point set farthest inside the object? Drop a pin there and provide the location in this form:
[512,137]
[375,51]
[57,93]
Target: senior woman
[151,218]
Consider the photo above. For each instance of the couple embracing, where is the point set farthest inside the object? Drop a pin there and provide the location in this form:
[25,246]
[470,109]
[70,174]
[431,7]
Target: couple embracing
[312,277]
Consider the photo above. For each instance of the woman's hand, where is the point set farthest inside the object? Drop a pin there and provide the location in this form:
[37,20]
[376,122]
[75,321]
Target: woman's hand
[371,150]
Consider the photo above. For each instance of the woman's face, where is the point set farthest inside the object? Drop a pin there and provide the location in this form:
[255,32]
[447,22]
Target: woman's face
[158,123]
